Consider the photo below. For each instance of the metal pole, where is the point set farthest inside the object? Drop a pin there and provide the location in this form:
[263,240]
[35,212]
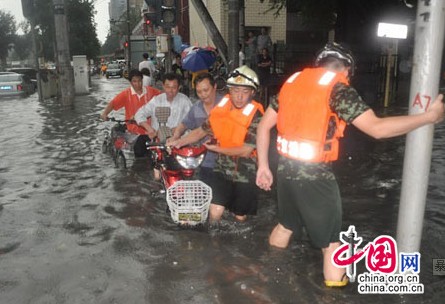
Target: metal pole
[128,37]
[168,55]
[388,76]
[36,59]
[233,34]
[242,23]
[211,28]
[429,38]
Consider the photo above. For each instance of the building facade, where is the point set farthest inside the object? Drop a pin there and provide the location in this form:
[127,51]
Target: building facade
[256,16]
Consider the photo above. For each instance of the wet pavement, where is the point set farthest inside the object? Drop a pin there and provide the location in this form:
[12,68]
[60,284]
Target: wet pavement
[74,229]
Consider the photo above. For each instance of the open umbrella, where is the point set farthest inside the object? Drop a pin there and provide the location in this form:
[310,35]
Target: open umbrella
[184,46]
[198,59]
[188,50]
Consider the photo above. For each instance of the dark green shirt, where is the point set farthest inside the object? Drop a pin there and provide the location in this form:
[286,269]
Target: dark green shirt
[348,105]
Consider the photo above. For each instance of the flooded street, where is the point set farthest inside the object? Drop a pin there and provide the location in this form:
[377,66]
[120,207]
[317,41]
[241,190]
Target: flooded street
[74,229]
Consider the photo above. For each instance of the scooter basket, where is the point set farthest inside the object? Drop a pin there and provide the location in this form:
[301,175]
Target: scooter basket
[188,201]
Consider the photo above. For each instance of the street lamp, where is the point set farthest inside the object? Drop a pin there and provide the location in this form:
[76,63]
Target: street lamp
[393,32]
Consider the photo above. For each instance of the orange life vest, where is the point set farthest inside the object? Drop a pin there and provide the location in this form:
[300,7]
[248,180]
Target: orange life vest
[304,114]
[229,124]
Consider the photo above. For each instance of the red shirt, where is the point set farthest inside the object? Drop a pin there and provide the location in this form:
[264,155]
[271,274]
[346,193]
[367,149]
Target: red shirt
[130,100]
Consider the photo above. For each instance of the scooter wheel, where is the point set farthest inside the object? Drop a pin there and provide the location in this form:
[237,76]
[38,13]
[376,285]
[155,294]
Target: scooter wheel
[121,162]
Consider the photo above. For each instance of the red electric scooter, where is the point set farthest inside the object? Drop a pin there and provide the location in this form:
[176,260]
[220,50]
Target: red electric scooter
[188,199]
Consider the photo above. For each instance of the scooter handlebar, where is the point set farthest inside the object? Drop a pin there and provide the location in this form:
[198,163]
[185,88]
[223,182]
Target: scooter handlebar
[156,145]
[131,121]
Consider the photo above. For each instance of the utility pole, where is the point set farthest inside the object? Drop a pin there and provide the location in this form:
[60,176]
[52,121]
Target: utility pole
[36,59]
[64,70]
[234,14]
[211,28]
[428,47]
[128,37]
[28,13]
[242,25]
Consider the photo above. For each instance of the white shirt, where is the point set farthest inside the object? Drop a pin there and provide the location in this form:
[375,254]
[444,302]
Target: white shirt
[179,108]
[149,65]
[146,80]
[242,57]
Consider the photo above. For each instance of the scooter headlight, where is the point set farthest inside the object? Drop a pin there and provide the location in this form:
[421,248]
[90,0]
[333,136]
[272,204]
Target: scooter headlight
[190,162]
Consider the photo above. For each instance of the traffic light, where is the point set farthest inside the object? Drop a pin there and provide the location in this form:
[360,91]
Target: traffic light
[151,15]
[168,13]
[126,44]
[161,13]
[151,19]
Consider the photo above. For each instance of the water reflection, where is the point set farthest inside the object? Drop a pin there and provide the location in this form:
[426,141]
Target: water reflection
[73,229]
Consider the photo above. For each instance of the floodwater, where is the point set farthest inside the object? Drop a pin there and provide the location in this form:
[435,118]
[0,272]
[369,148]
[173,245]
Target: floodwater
[74,229]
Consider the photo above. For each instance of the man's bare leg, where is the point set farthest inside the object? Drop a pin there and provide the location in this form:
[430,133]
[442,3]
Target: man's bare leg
[241,218]
[215,212]
[280,236]
[330,271]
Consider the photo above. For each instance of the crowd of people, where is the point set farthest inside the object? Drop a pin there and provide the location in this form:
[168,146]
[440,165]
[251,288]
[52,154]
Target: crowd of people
[310,113]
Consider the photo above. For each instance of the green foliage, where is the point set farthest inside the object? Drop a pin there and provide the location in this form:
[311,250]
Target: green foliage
[110,45]
[320,14]
[119,29]
[23,46]
[82,28]
[44,19]
[8,28]
[275,6]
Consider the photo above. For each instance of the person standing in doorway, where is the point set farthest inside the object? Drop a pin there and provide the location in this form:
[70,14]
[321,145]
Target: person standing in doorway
[264,63]
[241,56]
[251,50]
[263,41]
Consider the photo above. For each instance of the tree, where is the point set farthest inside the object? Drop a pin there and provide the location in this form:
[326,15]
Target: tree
[338,14]
[7,32]
[119,28]
[82,28]
[22,45]
[111,44]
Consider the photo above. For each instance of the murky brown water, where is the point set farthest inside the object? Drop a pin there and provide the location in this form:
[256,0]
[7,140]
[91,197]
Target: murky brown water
[73,229]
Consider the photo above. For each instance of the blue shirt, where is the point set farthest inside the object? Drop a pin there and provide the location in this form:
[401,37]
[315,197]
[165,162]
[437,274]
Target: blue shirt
[194,119]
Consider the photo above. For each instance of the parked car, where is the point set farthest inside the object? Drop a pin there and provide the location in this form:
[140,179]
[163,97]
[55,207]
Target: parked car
[15,85]
[114,70]
[30,72]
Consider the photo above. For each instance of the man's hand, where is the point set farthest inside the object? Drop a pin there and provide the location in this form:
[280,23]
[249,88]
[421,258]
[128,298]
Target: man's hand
[152,133]
[104,116]
[177,143]
[437,109]
[264,178]
[211,147]
[171,141]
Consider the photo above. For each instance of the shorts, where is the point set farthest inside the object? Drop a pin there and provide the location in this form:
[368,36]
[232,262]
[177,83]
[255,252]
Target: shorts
[239,198]
[314,205]
[140,146]
[206,175]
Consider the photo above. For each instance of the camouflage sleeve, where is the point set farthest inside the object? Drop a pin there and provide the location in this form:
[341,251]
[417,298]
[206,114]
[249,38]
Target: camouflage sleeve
[347,103]
[274,104]
[251,131]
